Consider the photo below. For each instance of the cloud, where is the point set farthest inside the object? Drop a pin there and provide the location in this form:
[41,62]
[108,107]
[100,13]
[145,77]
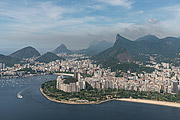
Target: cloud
[34,12]
[123,3]
[39,17]
[153,21]
[140,12]
[173,14]
[48,24]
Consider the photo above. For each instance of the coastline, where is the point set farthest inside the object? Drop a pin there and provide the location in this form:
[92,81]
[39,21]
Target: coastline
[69,102]
[24,76]
[153,102]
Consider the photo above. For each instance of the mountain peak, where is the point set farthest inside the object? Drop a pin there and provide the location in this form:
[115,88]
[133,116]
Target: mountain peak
[63,46]
[61,49]
[26,52]
[29,47]
[49,57]
[118,36]
[148,37]
[121,40]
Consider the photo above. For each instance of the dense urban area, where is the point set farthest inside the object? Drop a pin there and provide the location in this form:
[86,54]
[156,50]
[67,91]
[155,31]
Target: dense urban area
[120,71]
[165,78]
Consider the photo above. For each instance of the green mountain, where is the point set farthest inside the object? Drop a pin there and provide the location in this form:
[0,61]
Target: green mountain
[148,37]
[96,48]
[125,51]
[62,49]
[49,57]
[9,61]
[27,52]
[116,53]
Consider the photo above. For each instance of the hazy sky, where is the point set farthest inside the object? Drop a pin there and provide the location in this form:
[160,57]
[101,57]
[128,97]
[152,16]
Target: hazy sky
[45,24]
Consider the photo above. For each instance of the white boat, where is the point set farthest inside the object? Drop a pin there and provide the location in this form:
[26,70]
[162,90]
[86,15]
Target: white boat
[19,96]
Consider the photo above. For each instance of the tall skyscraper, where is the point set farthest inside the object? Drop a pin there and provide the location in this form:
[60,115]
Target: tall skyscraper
[175,87]
[2,65]
[77,75]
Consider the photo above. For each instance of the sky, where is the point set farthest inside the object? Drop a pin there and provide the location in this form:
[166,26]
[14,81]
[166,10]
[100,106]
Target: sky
[45,24]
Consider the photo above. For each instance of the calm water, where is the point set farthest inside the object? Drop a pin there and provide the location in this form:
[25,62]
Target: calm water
[34,106]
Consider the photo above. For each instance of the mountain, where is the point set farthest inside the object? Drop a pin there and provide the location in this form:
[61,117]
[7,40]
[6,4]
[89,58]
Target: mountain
[148,37]
[62,49]
[9,61]
[116,53]
[125,50]
[49,57]
[27,52]
[96,48]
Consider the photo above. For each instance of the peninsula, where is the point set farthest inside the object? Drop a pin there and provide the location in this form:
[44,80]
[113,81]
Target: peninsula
[98,96]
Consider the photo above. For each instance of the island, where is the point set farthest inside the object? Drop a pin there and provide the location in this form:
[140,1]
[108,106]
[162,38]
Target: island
[97,96]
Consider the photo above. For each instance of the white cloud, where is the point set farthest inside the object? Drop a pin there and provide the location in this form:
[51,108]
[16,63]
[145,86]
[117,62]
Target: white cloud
[35,12]
[40,17]
[140,12]
[153,21]
[173,21]
[123,3]
[44,24]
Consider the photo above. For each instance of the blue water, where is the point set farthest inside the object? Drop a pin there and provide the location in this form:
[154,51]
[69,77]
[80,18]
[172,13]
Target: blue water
[35,106]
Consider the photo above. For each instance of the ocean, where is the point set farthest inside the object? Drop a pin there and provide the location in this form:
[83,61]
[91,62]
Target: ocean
[34,106]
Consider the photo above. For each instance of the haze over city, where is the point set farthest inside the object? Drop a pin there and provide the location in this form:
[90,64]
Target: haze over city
[45,24]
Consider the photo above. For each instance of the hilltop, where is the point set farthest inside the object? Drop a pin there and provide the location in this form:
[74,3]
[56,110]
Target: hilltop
[62,49]
[49,57]
[27,52]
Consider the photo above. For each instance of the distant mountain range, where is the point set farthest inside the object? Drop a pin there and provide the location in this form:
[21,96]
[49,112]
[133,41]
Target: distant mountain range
[27,52]
[93,49]
[62,49]
[125,50]
[96,48]
[49,57]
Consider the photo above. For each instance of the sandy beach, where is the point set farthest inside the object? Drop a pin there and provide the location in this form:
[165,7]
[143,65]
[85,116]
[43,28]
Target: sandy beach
[163,103]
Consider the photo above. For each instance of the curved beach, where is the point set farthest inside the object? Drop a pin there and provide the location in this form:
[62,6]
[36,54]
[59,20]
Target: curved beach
[162,103]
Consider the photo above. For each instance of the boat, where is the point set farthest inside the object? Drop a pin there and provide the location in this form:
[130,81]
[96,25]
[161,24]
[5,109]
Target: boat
[19,96]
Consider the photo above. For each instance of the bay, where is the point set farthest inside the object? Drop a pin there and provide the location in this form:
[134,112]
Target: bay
[34,106]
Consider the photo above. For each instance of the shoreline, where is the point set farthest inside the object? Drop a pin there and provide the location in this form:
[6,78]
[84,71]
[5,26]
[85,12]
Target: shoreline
[152,102]
[24,76]
[69,102]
